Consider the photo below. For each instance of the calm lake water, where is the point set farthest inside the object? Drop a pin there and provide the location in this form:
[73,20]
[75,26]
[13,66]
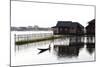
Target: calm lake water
[67,49]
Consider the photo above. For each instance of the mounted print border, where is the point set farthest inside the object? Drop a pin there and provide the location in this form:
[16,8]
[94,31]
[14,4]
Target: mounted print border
[44,33]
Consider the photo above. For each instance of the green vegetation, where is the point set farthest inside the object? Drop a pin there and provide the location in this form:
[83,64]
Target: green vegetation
[36,40]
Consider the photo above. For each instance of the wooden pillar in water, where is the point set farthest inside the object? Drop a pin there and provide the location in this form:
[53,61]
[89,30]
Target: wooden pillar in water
[15,42]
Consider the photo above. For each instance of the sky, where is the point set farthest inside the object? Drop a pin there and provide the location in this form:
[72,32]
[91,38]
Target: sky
[47,15]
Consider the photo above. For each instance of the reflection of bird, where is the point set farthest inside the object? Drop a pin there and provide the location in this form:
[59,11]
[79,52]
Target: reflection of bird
[43,50]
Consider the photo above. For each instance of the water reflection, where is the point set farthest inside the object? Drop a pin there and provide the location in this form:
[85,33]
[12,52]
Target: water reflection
[90,47]
[41,44]
[69,46]
[71,50]
[67,49]
[74,47]
[90,44]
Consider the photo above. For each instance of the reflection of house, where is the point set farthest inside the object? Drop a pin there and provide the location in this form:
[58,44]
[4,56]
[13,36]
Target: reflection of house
[90,47]
[90,28]
[70,50]
[66,51]
[68,27]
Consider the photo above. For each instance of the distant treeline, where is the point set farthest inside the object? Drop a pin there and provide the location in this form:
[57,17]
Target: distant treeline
[30,28]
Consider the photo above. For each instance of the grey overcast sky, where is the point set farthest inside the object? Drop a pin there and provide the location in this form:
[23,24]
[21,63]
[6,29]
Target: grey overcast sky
[47,15]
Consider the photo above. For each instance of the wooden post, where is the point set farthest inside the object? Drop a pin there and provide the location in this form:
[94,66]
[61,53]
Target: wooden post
[15,42]
[27,39]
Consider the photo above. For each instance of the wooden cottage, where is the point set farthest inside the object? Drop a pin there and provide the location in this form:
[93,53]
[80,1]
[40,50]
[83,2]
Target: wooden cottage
[90,28]
[67,27]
